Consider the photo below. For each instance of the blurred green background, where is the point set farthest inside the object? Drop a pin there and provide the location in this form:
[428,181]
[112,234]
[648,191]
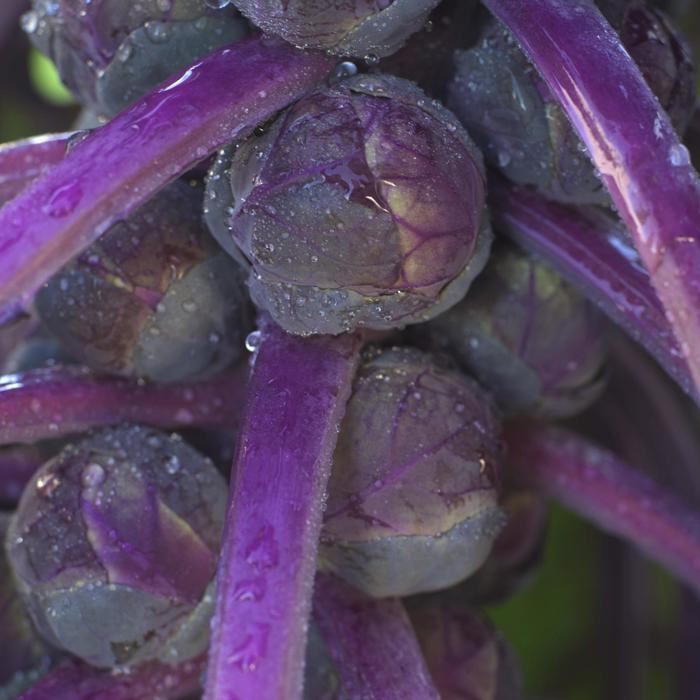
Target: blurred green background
[597,621]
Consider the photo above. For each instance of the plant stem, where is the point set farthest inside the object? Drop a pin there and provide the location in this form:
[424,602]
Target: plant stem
[596,484]
[23,161]
[589,250]
[629,139]
[48,403]
[296,399]
[372,644]
[106,176]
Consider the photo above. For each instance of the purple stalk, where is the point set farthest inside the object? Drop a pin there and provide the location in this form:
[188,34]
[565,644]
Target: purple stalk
[23,161]
[17,466]
[372,643]
[218,99]
[48,403]
[596,484]
[154,681]
[631,142]
[297,394]
[590,250]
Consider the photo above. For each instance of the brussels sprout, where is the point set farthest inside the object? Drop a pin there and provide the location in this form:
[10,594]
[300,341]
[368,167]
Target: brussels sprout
[110,52]
[114,545]
[466,656]
[361,205]
[355,28]
[24,657]
[527,336]
[154,297]
[413,496]
[520,127]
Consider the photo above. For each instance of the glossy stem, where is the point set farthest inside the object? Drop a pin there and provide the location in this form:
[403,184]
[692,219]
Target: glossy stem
[590,250]
[49,403]
[152,681]
[629,139]
[601,487]
[372,644]
[23,161]
[296,398]
[118,166]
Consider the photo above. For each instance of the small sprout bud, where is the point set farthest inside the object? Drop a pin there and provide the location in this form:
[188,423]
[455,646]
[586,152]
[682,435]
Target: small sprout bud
[413,499]
[356,28]
[362,205]
[526,335]
[114,546]
[111,52]
[466,656]
[154,297]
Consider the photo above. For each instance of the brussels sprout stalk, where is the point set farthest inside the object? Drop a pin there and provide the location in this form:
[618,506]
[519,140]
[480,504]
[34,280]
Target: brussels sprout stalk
[22,161]
[297,395]
[631,142]
[599,486]
[587,248]
[372,643]
[49,403]
[175,126]
[156,681]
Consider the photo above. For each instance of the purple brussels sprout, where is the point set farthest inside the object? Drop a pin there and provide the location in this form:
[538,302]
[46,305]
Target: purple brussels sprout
[527,336]
[467,658]
[110,52]
[362,205]
[365,28]
[114,547]
[519,125]
[413,495]
[154,297]
[24,656]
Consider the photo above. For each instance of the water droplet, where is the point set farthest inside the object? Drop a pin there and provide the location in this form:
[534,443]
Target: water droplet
[346,69]
[217,4]
[678,155]
[172,466]
[63,200]
[93,475]
[252,342]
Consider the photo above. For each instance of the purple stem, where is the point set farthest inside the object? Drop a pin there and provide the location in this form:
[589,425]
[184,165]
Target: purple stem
[589,248]
[372,644]
[153,681]
[215,101]
[596,484]
[23,161]
[17,466]
[631,142]
[296,399]
[48,403]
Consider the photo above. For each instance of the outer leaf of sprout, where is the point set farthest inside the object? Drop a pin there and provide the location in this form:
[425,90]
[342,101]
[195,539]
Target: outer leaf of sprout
[100,182]
[114,544]
[356,28]
[362,205]
[155,297]
[110,52]
[413,497]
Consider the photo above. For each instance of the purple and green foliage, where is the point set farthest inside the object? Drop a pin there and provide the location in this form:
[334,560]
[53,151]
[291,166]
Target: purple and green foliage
[413,496]
[362,205]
